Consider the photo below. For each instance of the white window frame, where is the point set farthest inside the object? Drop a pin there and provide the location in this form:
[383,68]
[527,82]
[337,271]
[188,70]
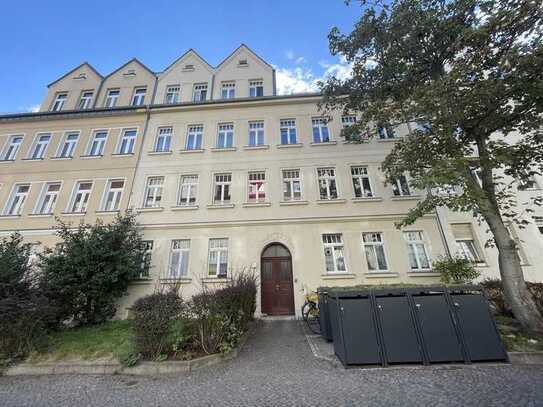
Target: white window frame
[85,100]
[117,195]
[291,181]
[254,84]
[163,133]
[196,131]
[59,101]
[228,90]
[414,246]
[222,251]
[175,271]
[398,187]
[197,91]
[102,143]
[363,174]
[289,125]
[145,270]
[222,185]
[373,245]
[226,132]
[254,182]
[84,202]
[190,186]
[327,178]
[111,100]
[256,132]
[127,143]
[10,209]
[386,132]
[172,94]
[65,142]
[138,98]
[328,243]
[38,209]
[39,146]
[11,149]
[156,188]
[318,124]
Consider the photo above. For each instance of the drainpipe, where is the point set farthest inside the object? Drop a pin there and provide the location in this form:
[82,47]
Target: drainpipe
[140,152]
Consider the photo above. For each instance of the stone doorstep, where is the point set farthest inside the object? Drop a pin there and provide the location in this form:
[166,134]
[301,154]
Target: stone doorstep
[111,366]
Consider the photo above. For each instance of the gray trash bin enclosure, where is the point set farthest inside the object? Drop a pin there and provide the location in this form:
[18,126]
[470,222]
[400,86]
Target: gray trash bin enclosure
[324,316]
[413,325]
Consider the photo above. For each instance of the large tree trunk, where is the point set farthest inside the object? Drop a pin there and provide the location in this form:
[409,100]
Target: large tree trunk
[516,293]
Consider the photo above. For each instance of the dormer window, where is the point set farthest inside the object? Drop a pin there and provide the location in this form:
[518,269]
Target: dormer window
[112,97]
[139,96]
[200,92]
[256,88]
[228,90]
[86,100]
[188,67]
[243,63]
[60,100]
[172,94]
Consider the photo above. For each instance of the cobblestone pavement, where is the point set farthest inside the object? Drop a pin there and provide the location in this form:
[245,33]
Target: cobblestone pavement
[277,368]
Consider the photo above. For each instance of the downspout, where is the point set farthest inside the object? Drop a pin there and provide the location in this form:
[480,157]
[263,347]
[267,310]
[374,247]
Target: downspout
[212,86]
[98,93]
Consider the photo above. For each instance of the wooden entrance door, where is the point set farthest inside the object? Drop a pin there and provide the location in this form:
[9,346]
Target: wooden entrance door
[277,290]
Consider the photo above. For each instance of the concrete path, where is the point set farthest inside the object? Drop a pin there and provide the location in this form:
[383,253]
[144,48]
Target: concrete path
[278,368]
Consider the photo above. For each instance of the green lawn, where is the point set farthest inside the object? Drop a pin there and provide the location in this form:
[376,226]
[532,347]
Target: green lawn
[105,340]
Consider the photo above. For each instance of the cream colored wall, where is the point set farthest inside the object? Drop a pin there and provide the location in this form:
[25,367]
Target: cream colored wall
[177,75]
[127,83]
[73,87]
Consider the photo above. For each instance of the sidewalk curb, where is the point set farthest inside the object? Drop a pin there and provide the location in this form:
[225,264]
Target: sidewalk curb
[526,358]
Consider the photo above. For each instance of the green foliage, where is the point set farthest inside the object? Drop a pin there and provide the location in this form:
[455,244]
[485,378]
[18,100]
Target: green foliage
[90,269]
[25,313]
[455,270]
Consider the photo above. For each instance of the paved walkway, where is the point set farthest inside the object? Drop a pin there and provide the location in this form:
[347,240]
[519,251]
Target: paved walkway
[277,368]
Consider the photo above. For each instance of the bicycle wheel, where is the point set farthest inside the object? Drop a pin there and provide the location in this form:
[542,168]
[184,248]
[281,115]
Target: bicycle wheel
[310,314]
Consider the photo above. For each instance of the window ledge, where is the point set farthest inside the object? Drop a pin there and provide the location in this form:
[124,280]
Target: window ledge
[183,207]
[107,212]
[406,198]
[153,209]
[120,155]
[289,203]
[173,280]
[73,213]
[10,216]
[141,281]
[367,199]
[40,215]
[186,151]
[6,161]
[381,274]
[220,206]
[221,149]
[255,204]
[216,279]
[337,276]
[424,273]
[90,157]
[297,145]
[61,158]
[331,201]
[260,147]
[33,159]
[324,143]
[160,152]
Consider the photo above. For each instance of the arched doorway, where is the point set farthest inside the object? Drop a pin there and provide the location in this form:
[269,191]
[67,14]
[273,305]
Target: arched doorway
[276,288]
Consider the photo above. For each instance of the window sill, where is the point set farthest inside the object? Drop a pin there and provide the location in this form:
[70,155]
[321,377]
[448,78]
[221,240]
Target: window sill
[297,145]
[423,273]
[6,161]
[331,201]
[220,206]
[73,213]
[90,157]
[183,207]
[199,150]
[10,216]
[406,198]
[261,147]
[40,215]
[142,281]
[324,143]
[381,274]
[61,158]
[107,212]
[367,199]
[173,280]
[338,276]
[119,155]
[159,152]
[33,159]
[255,204]
[289,203]
[154,209]
[215,280]
[219,149]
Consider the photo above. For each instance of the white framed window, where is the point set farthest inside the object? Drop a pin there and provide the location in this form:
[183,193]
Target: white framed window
[12,148]
[179,258]
[188,190]
[256,133]
[40,146]
[199,93]
[127,142]
[138,98]
[225,136]
[67,148]
[400,186]
[172,94]
[288,131]
[257,187]
[85,101]
[419,260]
[17,199]
[222,187]
[218,257]
[194,137]
[163,139]
[347,121]
[292,185]
[465,241]
[98,143]
[321,133]
[80,197]
[327,183]
[153,192]
[256,88]
[59,101]
[476,173]
[334,256]
[113,195]
[112,97]
[361,182]
[146,260]
[228,90]
[385,131]
[374,249]
[48,198]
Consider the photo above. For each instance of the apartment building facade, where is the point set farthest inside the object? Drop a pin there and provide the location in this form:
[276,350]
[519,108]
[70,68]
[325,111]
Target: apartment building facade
[227,176]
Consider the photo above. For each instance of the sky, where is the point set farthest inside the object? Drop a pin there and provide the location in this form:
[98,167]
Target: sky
[42,40]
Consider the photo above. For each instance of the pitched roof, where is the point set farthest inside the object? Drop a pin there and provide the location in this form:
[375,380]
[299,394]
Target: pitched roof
[189,51]
[128,63]
[75,69]
[243,46]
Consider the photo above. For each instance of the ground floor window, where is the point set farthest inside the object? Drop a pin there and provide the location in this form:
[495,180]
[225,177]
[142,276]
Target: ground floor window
[374,248]
[334,253]
[465,241]
[418,255]
[146,261]
[218,257]
[179,258]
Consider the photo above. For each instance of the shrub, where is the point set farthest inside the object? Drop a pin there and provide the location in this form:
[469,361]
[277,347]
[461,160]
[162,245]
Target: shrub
[455,270]
[90,269]
[156,326]
[494,292]
[25,313]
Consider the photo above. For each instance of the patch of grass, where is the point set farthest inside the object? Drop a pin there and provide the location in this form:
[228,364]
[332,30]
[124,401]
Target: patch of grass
[100,341]
[516,342]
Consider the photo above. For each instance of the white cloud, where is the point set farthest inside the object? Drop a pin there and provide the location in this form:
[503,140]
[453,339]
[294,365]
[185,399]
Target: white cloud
[289,54]
[32,108]
[300,60]
[341,70]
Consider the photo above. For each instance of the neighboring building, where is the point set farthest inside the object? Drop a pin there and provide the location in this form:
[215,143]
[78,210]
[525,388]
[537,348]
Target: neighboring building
[225,176]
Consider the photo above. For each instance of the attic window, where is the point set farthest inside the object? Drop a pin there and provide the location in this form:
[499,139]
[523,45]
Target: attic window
[243,62]
[81,76]
[130,72]
[188,67]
